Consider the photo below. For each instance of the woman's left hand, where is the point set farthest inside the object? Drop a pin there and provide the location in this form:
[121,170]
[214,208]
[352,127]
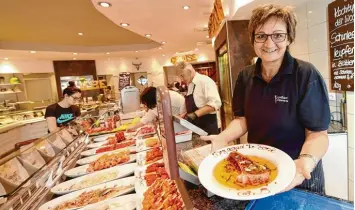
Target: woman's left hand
[304,168]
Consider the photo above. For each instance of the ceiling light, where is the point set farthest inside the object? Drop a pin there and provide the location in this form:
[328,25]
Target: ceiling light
[196,49]
[75,53]
[136,51]
[160,48]
[163,55]
[109,59]
[107,53]
[163,42]
[206,26]
[74,58]
[105,4]
[80,34]
[6,58]
[207,37]
[33,52]
[148,35]
[310,11]
[186,7]
[124,24]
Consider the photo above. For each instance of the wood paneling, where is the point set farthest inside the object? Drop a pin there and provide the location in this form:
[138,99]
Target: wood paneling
[73,68]
[241,51]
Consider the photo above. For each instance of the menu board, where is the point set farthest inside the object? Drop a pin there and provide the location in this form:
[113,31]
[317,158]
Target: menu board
[124,80]
[341,44]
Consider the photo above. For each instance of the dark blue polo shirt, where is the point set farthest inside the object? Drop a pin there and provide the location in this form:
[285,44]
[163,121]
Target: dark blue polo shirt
[278,112]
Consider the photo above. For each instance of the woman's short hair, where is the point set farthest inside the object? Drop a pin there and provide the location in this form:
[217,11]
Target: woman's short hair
[70,91]
[149,98]
[263,13]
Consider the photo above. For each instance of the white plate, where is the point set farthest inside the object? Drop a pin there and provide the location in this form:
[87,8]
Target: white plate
[140,144]
[122,171]
[71,196]
[125,202]
[285,167]
[93,151]
[141,161]
[103,137]
[96,145]
[91,159]
[81,170]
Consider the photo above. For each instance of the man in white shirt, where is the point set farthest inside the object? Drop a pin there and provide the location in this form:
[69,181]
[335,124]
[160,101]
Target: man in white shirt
[202,99]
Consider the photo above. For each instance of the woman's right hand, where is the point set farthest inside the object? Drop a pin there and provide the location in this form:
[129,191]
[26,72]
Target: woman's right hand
[217,142]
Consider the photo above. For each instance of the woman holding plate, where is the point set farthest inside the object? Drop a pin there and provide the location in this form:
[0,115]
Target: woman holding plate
[281,101]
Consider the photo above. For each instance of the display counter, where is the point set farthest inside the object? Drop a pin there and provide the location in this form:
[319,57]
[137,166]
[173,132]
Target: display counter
[105,167]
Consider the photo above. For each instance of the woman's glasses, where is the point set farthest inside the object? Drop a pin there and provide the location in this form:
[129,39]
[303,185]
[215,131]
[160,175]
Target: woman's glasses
[277,37]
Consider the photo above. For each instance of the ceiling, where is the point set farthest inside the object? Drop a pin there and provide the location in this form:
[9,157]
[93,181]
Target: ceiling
[51,27]
[54,25]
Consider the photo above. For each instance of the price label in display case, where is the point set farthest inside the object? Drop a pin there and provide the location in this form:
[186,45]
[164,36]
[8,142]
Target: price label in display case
[341,44]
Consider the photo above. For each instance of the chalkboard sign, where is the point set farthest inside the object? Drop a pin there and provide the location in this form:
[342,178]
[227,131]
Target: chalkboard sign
[341,44]
[124,80]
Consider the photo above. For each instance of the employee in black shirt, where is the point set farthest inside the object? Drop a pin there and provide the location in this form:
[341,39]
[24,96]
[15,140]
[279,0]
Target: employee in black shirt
[60,113]
[281,101]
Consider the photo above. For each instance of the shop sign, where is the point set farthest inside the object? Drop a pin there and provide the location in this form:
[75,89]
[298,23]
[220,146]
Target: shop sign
[186,58]
[216,18]
[341,44]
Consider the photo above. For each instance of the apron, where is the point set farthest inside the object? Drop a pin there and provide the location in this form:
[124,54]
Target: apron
[207,122]
[316,183]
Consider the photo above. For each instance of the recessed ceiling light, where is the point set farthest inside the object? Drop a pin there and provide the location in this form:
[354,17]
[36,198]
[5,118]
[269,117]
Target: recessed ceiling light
[105,4]
[74,58]
[196,49]
[75,53]
[109,59]
[124,24]
[136,51]
[310,11]
[148,35]
[163,55]
[206,26]
[107,53]
[207,37]
[32,52]
[186,7]
[163,42]
[160,48]
[6,58]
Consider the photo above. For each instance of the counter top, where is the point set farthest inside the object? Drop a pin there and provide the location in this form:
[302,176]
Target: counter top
[14,125]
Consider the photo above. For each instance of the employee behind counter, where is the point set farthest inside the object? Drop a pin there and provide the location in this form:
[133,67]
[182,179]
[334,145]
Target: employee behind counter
[61,113]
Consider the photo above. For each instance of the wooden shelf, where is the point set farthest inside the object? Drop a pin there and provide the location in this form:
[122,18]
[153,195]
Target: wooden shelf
[4,93]
[8,84]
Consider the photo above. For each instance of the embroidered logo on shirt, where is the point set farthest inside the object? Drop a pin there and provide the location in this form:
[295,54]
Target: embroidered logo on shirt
[281,99]
[64,118]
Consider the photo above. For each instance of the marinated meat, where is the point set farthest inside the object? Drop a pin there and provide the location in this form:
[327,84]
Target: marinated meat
[163,195]
[108,161]
[249,171]
[154,155]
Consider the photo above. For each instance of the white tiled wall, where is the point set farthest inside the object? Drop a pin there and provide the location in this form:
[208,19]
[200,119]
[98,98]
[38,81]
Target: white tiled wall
[311,45]
[350,124]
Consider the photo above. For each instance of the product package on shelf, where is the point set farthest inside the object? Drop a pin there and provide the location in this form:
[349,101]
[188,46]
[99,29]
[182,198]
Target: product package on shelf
[12,174]
[32,160]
